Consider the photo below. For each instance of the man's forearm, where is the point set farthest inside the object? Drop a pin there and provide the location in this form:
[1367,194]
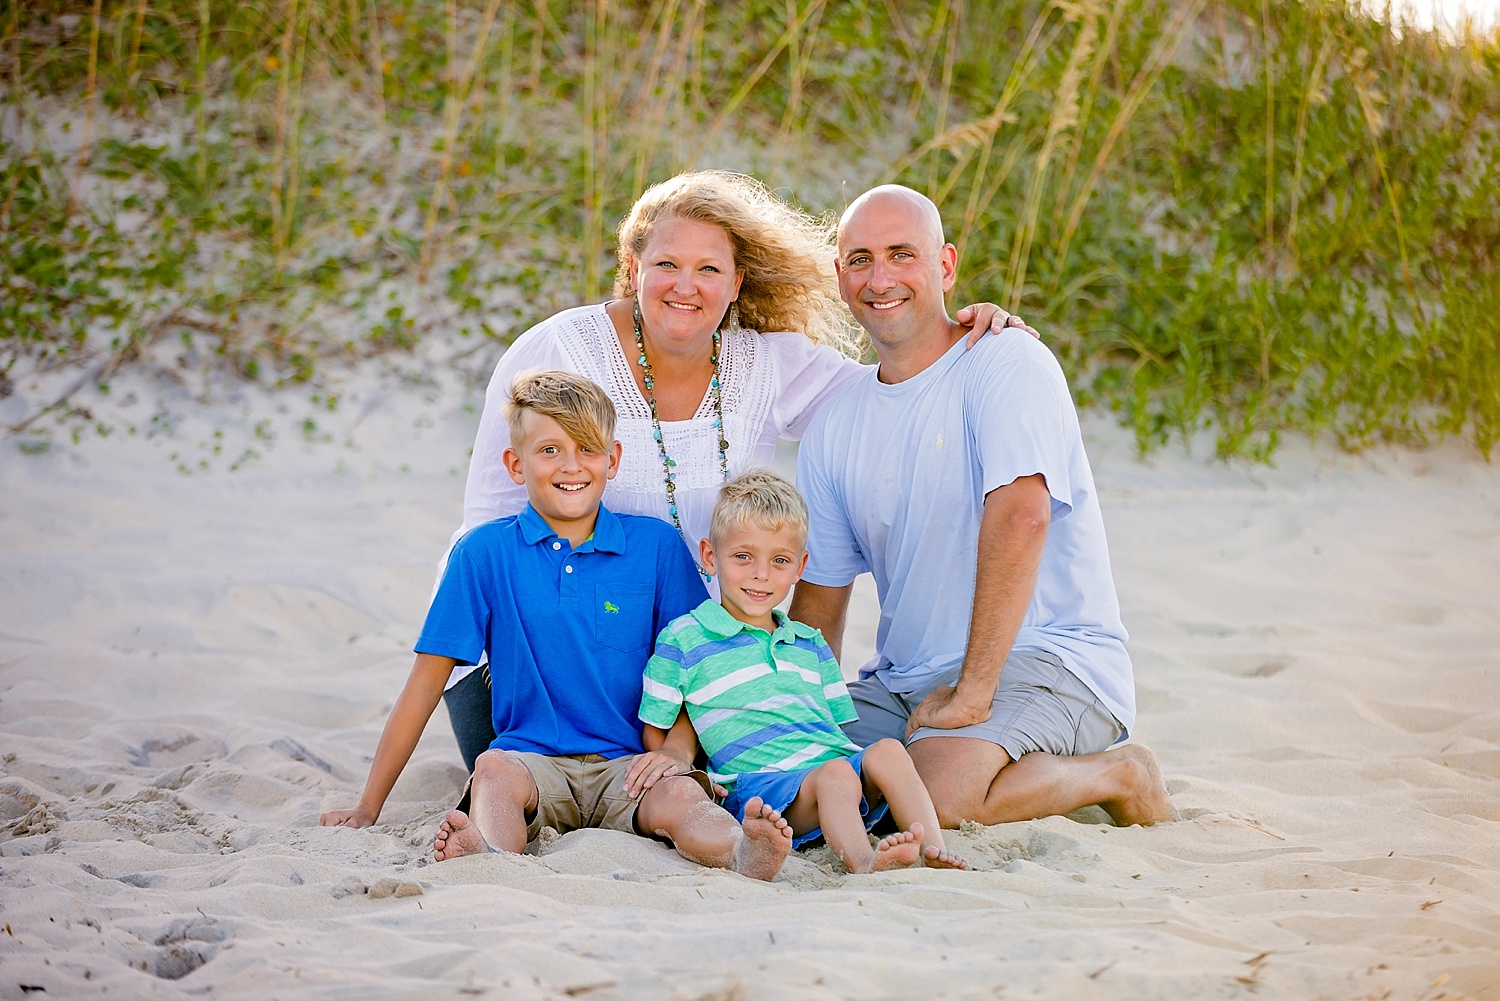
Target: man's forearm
[1012,535]
[823,608]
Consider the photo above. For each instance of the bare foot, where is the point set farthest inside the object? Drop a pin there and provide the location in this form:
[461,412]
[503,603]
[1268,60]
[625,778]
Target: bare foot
[1147,801]
[457,836]
[767,841]
[934,857]
[898,851]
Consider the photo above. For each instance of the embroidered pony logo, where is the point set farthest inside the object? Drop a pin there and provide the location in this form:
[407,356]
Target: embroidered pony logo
[611,608]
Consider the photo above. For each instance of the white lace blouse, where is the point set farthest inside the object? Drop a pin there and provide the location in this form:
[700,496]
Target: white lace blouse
[771,385]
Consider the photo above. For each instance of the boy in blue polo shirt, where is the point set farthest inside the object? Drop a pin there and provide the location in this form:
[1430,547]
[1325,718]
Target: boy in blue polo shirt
[565,598]
[766,698]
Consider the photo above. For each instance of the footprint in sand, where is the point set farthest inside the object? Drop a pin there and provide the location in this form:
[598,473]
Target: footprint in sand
[186,945]
[1248,665]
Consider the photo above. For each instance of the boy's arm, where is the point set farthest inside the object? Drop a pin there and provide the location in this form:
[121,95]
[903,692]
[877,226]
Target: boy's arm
[668,752]
[414,707]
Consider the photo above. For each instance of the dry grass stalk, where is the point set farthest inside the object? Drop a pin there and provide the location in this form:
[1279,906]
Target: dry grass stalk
[651,109]
[1315,94]
[202,116]
[1022,70]
[278,158]
[294,152]
[1063,118]
[135,41]
[977,136]
[1103,54]
[377,60]
[930,48]
[945,92]
[1269,57]
[453,108]
[537,34]
[1363,78]
[793,28]
[13,35]
[1156,64]
[799,61]
[672,103]
[90,98]
[595,112]
[91,95]
[450,68]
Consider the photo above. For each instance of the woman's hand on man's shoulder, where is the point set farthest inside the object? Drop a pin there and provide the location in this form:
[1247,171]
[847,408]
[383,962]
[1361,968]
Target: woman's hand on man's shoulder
[976,315]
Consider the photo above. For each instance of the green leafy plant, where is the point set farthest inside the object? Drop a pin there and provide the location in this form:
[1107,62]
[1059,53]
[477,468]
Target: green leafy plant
[1260,218]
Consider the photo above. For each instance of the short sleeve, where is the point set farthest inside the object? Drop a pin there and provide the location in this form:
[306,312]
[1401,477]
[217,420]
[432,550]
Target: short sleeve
[679,586]
[835,691]
[808,375]
[834,555]
[458,620]
[1021,417]
[661,688]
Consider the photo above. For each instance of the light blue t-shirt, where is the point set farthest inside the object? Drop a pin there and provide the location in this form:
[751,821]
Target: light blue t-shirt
[895,478]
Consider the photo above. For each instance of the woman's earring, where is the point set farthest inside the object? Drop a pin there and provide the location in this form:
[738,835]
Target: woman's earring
[732,326]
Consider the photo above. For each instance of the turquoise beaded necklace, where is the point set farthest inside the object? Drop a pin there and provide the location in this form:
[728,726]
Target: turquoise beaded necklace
[668,464]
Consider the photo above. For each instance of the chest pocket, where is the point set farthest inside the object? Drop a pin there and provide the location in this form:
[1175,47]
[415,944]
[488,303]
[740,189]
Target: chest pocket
[623,614]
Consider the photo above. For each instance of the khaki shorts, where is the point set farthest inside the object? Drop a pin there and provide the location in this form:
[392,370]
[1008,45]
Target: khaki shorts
[575,791]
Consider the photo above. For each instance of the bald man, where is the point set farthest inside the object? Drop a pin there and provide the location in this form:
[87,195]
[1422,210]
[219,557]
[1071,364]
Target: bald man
[958,478]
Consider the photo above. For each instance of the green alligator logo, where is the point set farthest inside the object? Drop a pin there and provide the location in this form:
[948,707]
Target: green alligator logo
[611,607]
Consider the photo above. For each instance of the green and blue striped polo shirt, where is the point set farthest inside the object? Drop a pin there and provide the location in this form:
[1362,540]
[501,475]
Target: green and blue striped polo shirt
[759,701]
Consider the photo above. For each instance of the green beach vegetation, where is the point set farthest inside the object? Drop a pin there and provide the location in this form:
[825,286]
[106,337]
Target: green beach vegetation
[1260,218]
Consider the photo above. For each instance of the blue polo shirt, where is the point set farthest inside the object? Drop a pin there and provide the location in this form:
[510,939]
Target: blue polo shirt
[568,631]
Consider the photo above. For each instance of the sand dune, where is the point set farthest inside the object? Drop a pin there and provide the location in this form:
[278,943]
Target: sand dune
[193,666]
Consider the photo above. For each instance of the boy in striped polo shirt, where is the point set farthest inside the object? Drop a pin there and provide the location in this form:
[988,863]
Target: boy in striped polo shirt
[765,696]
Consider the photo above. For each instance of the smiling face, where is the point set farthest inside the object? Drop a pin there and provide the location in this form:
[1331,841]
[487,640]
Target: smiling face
[564,480]
[756,568]
[894,267]
[685,280]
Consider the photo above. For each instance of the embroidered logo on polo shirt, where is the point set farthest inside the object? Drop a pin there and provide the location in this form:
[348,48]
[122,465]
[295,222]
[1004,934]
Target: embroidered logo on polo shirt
[611,608]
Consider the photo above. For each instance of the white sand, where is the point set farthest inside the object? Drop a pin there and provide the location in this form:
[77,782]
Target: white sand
[192,667]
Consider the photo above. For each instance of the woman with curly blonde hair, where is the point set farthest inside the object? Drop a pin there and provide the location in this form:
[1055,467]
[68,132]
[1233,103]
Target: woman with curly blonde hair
[726,334]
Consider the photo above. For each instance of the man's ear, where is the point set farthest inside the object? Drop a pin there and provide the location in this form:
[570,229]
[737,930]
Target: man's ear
[838,271]
[950,266]
[512,460]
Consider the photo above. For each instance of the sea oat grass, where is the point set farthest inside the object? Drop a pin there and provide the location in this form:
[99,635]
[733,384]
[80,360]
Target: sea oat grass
[1261,218]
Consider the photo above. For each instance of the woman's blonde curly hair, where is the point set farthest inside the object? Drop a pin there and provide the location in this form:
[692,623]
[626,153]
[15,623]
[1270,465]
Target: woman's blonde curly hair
[786,255]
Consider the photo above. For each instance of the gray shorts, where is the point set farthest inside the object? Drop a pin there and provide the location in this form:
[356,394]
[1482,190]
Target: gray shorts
[1039,706]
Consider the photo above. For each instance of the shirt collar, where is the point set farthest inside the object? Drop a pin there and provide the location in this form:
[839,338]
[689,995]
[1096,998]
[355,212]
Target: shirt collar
[713,617]
[608,537]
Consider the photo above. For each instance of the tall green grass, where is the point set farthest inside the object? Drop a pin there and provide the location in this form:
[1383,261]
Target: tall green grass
[1260,218]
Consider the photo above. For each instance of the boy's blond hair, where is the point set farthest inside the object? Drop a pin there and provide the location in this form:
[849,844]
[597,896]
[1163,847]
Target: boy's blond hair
[760,498]
[581,407]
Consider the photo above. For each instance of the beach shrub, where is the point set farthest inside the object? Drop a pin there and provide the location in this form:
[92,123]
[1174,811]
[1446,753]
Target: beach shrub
[1256,218]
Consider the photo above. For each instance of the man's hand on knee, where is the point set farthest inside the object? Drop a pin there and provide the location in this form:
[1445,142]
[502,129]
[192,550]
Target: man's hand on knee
[945,709]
